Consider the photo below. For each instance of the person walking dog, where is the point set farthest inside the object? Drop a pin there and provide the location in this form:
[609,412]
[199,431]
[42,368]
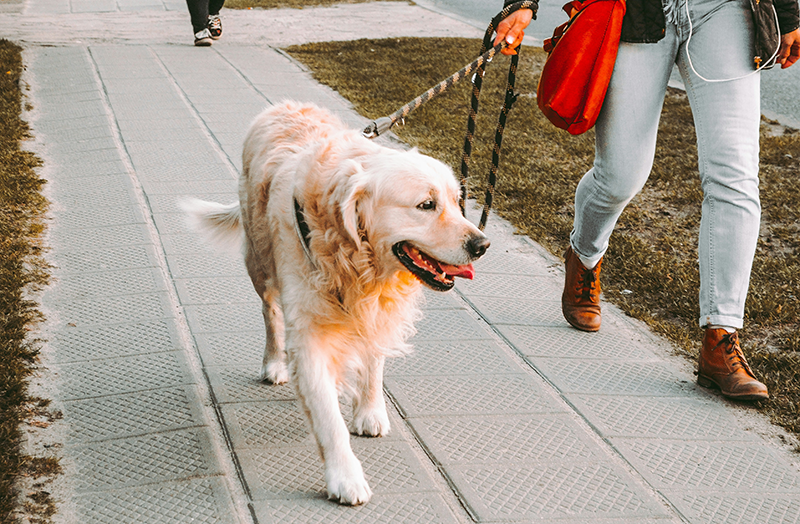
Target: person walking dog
[206,23]
[712,42]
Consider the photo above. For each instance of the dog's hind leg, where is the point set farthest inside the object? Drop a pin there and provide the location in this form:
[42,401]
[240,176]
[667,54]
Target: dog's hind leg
[369,407]
[315,382]
[273,365]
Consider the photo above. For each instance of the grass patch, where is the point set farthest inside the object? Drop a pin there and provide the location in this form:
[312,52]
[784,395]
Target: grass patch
[653,252]
[293,4]
[21,270]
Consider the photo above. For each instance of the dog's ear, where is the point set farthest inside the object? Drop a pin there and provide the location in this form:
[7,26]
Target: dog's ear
[356,186]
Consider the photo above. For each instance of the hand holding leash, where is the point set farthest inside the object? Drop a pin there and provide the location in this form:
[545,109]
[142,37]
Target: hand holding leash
[512,30]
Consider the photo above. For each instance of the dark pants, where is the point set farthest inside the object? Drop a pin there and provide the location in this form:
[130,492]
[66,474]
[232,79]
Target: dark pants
[200,9]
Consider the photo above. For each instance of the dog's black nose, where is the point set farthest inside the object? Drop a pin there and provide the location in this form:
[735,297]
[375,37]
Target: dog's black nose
[477,246]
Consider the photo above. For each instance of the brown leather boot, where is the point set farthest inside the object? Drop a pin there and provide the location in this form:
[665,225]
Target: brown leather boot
[722,365]
[580,301]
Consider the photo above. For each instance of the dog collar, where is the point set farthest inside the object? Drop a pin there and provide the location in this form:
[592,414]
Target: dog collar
[302,230]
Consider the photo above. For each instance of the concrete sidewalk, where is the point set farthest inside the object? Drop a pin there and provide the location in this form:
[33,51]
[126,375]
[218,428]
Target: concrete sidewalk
[502,414]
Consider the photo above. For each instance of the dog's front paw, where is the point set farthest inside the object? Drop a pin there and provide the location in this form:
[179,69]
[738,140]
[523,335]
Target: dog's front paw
[275,373]
[347,483]
[373,422]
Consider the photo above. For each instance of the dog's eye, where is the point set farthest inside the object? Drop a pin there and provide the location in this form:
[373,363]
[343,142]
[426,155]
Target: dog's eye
[428,205]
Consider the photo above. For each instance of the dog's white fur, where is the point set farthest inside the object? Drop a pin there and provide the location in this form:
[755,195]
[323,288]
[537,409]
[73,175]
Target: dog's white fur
[332,319]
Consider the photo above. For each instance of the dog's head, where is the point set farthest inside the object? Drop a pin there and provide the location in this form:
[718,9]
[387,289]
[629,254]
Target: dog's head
[407,206]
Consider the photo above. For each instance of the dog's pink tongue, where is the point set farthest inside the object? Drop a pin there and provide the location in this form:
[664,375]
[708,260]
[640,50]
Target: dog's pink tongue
[466,271]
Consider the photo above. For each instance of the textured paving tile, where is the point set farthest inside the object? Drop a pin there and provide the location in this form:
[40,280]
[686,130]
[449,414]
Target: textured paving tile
[110,259]
[240,348]
[295,472]
[259,425]
[143,460]
[170,203]
[511,287]
[115,310]
[399,509]
[137,445]
[702,465]
[507,440]
[172,223]
[107,194]
[102,237]
[741,508]
[566,342]
[196,163]
[201,500]
[132,414]
[438,300]
[256,425]
[192,266]
[655,417]
[522,312]
[615,378]
[242,384]
[117,340]
[261,65]
[187,243]
[500,261]
[82,286]
[449,325]
[225,184]
[124,375]
[224,317]
[235,291]
[579,489]
[457,395]
[443,357]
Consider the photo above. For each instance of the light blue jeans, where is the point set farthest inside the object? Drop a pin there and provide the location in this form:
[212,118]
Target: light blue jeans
[727,117]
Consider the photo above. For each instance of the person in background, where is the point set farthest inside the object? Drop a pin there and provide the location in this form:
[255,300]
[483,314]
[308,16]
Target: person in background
[712,43]
[206,23]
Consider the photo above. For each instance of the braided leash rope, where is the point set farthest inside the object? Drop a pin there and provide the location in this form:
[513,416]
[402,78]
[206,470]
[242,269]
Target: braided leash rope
[383,124]
[508,102]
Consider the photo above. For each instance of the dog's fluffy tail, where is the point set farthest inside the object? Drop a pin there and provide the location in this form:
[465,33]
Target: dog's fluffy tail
[220,223]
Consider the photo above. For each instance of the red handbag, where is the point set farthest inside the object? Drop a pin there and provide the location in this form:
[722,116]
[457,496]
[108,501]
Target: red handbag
[581,59]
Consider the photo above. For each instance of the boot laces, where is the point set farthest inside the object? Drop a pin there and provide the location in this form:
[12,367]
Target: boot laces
[586,284]
[734,352]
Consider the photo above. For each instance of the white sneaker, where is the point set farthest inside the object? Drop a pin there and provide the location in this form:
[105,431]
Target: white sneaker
[203,38]
[214,26]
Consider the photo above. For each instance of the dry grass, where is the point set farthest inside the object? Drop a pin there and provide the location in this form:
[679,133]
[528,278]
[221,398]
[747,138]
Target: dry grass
[21,270]
[653,250]
[293,4]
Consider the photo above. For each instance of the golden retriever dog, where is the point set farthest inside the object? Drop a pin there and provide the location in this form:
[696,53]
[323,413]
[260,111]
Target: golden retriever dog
[339,235]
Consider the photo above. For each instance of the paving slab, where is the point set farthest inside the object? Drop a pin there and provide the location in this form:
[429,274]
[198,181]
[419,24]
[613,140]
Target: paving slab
[502,414]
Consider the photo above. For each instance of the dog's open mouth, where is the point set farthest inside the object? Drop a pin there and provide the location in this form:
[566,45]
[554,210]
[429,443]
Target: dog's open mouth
[433,273]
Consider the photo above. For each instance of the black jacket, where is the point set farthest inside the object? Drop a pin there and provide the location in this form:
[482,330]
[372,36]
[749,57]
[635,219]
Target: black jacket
[644,19]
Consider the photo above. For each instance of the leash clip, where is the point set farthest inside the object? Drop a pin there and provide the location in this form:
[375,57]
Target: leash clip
[378,127]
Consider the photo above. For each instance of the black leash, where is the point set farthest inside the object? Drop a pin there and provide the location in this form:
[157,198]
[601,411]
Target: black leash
[383,124]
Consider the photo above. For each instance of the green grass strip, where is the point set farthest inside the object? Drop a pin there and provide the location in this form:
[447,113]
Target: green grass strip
[651,269]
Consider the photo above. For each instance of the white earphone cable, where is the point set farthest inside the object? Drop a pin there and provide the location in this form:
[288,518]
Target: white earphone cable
[689,57]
